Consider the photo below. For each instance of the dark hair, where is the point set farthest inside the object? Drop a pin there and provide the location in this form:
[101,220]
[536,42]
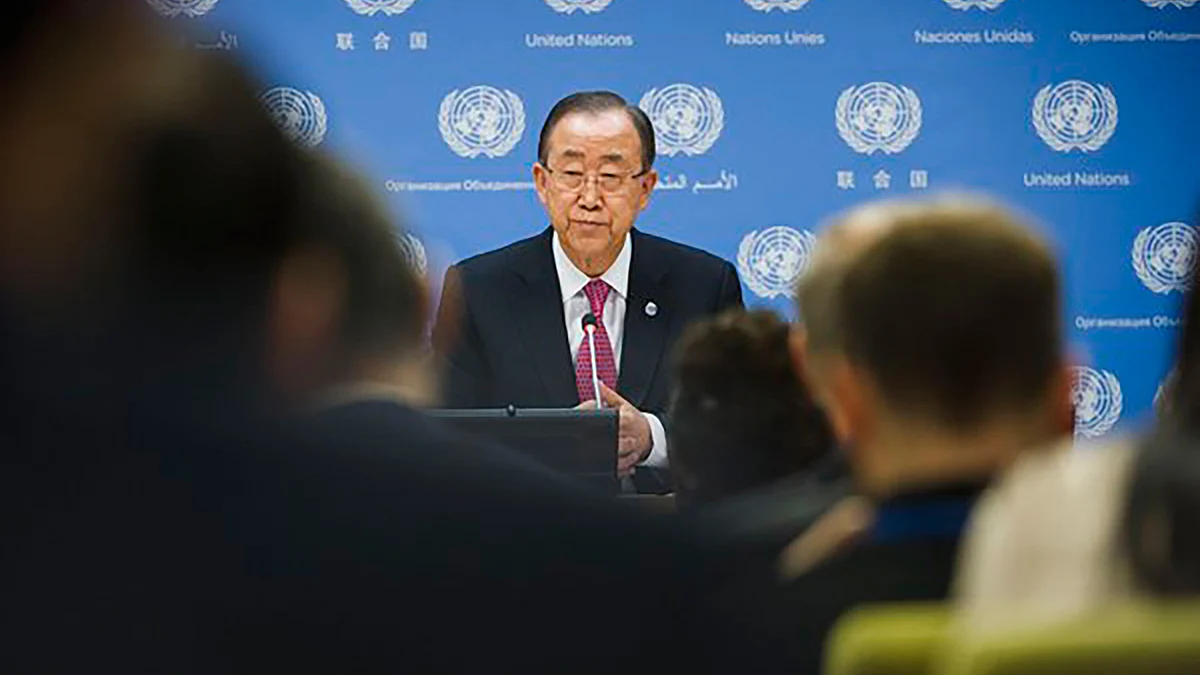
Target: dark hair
[741,416]
[1162,515]
[954,312]
[23,20]
[1182,407]
[384,305]
[594,102]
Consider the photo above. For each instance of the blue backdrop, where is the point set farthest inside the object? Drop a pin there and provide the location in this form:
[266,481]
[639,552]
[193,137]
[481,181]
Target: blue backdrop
[774,115]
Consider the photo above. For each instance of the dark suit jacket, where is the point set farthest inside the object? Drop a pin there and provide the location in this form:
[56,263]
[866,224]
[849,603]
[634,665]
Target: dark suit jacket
[502,337]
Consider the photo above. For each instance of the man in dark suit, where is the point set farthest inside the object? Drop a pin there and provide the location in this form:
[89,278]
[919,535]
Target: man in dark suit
[944,362]
[510,324]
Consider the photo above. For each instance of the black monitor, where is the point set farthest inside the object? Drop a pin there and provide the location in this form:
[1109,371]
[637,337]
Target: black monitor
[580,443]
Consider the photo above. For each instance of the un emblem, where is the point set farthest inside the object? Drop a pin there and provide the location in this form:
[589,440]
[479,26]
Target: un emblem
[781,5]
[1164,257]
[481,120]
[300,114]
[192,8]
[878,116]
[771,262]
[1075,115]
[572,6]
[687,119]
[373,7]
[968,4]
[1097,398]
[414,252]
[1159,4]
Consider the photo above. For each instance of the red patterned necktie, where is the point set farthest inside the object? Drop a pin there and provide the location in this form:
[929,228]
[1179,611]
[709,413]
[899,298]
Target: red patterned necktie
[606,366]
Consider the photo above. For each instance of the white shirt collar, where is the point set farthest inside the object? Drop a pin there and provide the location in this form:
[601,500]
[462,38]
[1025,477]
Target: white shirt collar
[571,280]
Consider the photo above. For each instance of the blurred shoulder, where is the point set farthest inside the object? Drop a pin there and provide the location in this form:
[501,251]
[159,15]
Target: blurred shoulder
[1042,539]
[1069,475]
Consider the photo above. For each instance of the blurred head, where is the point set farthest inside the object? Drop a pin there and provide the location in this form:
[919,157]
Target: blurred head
[81,80]
[741,415]
[347,305]
[594,174]
[821,336]
[146,203]
[952,359]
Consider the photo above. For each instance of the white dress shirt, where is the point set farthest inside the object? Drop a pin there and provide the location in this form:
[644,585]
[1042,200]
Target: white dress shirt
[576,305]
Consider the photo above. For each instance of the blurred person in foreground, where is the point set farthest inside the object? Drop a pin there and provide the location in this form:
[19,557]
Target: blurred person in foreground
[161,512]
[748,444]
[950,366]
[1071,530]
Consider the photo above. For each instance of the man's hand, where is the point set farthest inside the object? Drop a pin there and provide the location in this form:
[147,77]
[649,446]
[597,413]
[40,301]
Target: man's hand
[634,440]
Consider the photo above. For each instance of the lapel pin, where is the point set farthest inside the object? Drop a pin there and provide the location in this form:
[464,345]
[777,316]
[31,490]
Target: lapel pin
[651,308]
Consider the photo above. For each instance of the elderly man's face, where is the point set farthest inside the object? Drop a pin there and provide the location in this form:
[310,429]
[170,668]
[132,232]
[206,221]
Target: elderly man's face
[593,185]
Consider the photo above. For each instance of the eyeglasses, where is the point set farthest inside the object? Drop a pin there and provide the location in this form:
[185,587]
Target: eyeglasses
[606,183]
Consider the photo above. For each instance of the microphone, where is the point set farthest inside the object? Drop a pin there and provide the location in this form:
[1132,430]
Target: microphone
[589,328]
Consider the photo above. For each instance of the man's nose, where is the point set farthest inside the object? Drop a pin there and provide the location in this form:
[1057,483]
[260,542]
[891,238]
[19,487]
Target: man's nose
[589,198]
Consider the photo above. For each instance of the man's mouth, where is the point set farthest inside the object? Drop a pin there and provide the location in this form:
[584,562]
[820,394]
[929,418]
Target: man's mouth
[588,223]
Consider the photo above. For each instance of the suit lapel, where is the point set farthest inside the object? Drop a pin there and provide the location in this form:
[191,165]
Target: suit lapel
[645,334]
[538,315]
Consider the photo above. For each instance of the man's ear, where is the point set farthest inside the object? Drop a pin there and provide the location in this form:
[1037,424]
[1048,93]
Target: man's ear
[424,300]
[1062,402]
[798,349]
[805,365]
[849,402]
[304,326]
[541,183]
[650,181]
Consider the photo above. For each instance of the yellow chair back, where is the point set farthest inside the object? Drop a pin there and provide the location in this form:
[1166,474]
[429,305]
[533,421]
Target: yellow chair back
[1131,639]
[897,639]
